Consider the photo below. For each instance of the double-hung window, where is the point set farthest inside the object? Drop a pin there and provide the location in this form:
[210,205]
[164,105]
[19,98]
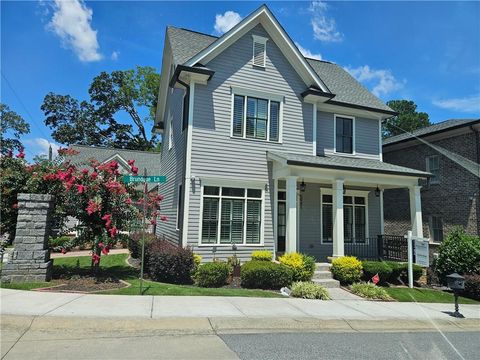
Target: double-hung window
[344,135]
[436,228]
[354,219]
[231,216]
[256,118]
[433,166]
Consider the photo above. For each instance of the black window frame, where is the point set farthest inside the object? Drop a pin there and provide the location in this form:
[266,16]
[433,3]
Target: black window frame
[343,137]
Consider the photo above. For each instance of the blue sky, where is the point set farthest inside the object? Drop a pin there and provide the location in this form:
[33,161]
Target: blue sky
[428,52]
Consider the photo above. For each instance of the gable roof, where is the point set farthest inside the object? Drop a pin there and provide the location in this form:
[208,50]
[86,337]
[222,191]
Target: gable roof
[443,126]
[185,44]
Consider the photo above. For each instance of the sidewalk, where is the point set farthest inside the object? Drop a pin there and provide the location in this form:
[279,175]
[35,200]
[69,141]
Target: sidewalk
[33,303]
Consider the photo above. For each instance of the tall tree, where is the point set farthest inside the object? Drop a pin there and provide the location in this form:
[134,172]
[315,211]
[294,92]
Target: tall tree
[408,119]
[100,121]
[12,127]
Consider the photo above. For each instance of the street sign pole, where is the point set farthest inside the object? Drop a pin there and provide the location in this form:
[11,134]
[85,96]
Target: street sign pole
[143,226]
[410,259]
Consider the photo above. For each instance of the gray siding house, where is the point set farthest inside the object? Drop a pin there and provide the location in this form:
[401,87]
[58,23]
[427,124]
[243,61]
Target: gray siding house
[266,149]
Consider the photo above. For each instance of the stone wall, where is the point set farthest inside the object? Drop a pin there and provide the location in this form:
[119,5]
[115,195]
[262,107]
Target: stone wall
[30,260]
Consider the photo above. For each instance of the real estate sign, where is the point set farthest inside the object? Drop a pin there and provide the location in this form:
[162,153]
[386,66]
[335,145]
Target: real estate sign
[421,252]
[140,179]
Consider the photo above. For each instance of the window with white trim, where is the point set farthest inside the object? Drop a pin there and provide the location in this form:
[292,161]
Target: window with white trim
[433,166]
[354,219]
[343,135]
[231,216]
[256,118]
[259,50]
[436,228]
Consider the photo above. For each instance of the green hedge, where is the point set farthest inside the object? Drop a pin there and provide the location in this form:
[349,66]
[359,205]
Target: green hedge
[371,268]
[265,275]
[212,274]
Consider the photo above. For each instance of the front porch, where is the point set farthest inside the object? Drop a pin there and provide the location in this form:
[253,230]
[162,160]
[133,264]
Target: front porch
[327,211]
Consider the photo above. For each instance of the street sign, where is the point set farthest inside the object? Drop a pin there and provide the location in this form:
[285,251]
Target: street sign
[421,252]
[140,179]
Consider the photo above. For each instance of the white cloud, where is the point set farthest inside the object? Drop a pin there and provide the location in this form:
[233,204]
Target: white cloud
[115,55]
[381,82]
[71,22]
[39,146]
[225,22]
[465,104]
[324,27]
[308,53]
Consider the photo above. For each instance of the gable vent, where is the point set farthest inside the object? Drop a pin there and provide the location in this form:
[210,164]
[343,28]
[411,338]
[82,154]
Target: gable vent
[259,50]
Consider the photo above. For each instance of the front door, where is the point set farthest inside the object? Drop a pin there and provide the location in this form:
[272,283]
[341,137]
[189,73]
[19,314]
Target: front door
[281,221]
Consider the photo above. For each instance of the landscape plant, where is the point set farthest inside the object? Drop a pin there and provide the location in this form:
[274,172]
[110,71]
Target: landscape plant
[262,255]
[302,266]
[265,275]
[346,269]
[166,262]
[369,291]
[213,274]
[309,290]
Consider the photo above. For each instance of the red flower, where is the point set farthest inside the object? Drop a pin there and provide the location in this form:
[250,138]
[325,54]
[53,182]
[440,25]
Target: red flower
[128,201]
[50,177]
[94,175]
[153,221]
[21,154]
[134,170]
[163,218]
[105,250]
[108,220]
[93,207]
[96,259]
[85,171]
[159,198]
[81,188]
[131,162]
[113,232]
[100,244]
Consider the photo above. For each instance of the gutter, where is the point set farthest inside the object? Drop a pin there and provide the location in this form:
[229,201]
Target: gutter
[477,143]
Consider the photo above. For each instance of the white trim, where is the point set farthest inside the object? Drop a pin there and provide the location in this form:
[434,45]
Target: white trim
[382,216]
[245,92]
[170,134]
[225,182]
[314,125]
[335,135]
[380,152]
[120,158]
[291,212]
[188,167]
[230,183]
[247,23]
[177,227]
[275,217]
[353,193]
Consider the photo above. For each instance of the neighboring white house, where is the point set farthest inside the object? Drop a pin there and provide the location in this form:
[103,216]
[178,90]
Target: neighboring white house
[267,149]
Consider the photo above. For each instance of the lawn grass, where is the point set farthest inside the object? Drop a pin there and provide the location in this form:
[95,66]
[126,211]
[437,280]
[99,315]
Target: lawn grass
[404,294]
[115,266]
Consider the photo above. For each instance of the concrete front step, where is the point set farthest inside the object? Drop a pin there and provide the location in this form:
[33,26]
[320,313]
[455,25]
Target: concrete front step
[322,266]
[322,275]
[328,283]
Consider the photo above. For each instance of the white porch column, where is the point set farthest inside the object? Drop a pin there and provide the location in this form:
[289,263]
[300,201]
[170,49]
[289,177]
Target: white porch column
[275,217]
[291,203]
[416,210]
[338,247]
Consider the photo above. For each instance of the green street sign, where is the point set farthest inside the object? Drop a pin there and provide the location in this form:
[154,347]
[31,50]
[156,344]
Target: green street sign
[140,179]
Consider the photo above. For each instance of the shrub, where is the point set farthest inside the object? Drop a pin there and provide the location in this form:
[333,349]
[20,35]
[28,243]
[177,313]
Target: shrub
[135,243]
[400,271]
[60,242]
[302,266]
[309,290]
[346,269]
[472,286]
[169,263]
[262,255]
[371,268]
[459,253]
[265,275]
[212,274]
[370,291]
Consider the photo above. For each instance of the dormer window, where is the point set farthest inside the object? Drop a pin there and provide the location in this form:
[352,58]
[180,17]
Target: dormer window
[259,50]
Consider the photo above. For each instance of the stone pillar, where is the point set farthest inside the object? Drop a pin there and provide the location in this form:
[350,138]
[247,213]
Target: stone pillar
[30,260]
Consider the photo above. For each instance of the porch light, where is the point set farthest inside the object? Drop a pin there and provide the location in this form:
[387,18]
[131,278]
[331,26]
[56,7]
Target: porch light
[303,186]
[377,192]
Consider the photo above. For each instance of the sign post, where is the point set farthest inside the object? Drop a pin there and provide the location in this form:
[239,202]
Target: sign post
[143,226]
[410,259]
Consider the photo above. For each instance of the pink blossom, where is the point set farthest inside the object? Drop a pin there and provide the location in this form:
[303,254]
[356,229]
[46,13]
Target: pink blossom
[153,221]
[128,201]
[85,171]
[108,220]
[96,259]
[63,251]
[159,198]
[105,250]
[100,244]
[94,175]
[113,232]
[131,162]
[21,154]
[93,207]
[163,218]
[134,170]
[81,188]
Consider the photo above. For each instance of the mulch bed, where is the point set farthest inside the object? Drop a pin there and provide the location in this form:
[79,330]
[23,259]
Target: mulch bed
[85,285]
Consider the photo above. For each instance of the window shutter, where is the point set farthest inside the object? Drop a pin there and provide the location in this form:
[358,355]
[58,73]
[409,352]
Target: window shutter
[259,50]
[210,221]
[238,110]
[254,209]
[232,221]
[274,120]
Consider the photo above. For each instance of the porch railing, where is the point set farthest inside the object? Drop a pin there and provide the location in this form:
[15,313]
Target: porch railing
[386,247]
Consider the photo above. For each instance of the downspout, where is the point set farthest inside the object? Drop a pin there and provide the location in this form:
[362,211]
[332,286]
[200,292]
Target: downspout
[477,142]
